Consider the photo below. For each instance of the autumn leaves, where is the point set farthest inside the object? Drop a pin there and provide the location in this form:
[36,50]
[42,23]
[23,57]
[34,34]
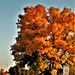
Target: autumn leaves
[51,33]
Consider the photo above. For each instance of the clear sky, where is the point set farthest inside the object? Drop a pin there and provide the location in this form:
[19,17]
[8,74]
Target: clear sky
[9,11]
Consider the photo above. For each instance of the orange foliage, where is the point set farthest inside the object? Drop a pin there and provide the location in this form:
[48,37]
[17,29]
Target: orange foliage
[46,32]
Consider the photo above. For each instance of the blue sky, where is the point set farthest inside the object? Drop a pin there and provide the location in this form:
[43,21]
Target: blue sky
[9,11]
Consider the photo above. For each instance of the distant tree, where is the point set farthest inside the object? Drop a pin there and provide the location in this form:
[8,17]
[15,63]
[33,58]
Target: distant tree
[2,72]
[46,40]
[15,70]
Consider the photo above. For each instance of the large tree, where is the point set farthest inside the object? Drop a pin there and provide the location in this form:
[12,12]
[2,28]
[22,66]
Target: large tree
[46,40]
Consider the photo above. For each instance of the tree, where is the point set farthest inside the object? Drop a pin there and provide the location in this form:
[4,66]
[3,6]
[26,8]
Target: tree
[46,40]
[15,70]
[2,72]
